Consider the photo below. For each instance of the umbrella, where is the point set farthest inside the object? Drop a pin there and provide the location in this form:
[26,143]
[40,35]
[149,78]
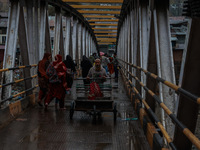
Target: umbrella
[101,53]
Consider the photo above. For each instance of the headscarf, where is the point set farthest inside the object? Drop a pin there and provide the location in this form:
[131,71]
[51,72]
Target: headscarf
[59,66]
[69,63]
[84,58]
[41,65]
[61,69]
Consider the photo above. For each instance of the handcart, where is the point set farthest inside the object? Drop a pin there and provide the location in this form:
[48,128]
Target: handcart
[97,106]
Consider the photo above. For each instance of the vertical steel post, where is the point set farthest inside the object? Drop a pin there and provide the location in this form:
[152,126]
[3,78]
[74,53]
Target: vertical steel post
[58,25]
[67,35]
[86,44]
[11,45]
[144,38]
[188,111]
[74,40]
[23,42]
[164,56]
[29,6]
[83,41]
[79,42]
[36,31]
[43,15]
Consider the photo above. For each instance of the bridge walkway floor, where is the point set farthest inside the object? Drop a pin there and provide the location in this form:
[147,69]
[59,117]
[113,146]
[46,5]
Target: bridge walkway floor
[37,129]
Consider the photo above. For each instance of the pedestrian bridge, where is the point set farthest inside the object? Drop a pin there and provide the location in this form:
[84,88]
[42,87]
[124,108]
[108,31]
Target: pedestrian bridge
[154,112]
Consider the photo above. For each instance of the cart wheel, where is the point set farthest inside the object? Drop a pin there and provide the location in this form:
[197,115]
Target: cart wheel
[71,110]
[115,111]
[94,114]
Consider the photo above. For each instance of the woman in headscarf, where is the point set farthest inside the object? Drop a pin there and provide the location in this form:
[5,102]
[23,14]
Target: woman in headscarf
[57,79]
[69,63]
[85,65]
[42,76]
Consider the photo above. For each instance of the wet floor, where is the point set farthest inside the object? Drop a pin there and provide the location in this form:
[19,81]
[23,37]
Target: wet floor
[37,129]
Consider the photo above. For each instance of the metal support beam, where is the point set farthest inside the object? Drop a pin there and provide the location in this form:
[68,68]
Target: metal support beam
[164,56]
[99,16]
[103,20]
[74,38]
[11,45]
[83,40]
[189,80]
[68,35]
[98,12]
[48,47]
[94,1]
[30,27]
[79,42]
[43,15]
[23,42]
[102,24]
[58,27]
[104,28]
[86,44]
[36,31]
[95,7]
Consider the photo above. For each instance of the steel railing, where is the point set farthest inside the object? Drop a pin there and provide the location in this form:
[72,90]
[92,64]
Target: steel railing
[184,129]
[18,81]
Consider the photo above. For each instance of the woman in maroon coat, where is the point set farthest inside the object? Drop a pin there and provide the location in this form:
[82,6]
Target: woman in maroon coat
[42,77]
[57,79]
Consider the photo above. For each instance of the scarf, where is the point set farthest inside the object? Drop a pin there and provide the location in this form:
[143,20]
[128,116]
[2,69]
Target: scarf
[61,69]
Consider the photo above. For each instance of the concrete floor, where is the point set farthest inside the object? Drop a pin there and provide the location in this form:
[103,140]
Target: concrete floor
[37,129]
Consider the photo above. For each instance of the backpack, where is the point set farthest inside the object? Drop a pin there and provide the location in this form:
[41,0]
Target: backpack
[52,74]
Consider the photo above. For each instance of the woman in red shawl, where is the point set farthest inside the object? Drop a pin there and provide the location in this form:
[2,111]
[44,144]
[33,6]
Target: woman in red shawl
[42,77]
[57,79]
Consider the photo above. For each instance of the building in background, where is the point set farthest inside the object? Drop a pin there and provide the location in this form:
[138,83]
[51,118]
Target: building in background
[178,26]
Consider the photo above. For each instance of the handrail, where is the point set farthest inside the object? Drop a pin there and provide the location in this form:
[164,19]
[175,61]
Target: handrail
[19,67]
[13,96]
[184,129]
[150,111]
[17,81]
[178,89]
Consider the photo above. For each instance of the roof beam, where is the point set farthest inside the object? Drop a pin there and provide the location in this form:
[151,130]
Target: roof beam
[99,16]
[103,20]
[94,1]
[96,7]
[106,40]
[104,32]
[98,12]
[104,28]
[106,43]
[101,35]
[103,24]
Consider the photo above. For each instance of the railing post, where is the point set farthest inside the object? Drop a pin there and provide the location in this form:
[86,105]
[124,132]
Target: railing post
[57,35]
[68,35]
[74,38]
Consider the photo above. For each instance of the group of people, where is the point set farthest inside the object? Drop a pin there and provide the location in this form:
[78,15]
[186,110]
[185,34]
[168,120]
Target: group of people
[110,64]
[56,77]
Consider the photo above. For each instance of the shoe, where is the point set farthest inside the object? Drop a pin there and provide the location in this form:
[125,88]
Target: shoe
[40,104]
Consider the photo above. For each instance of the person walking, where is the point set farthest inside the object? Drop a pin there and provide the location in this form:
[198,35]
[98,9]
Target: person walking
[105,61]
[116,64]
[69,63]
[85,65]
[56,72]
[42,77]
